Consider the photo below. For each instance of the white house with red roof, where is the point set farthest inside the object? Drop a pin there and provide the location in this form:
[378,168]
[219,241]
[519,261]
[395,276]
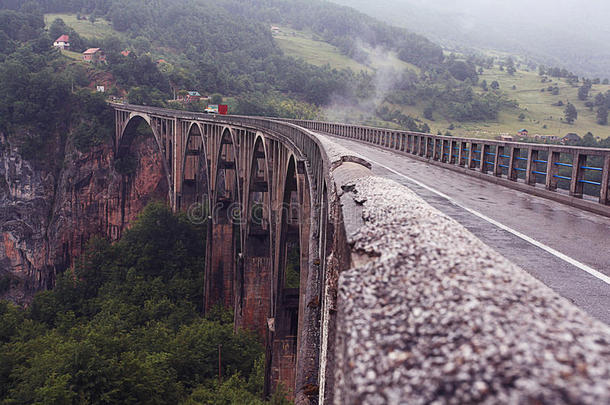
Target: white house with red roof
[63,42]
[94,55]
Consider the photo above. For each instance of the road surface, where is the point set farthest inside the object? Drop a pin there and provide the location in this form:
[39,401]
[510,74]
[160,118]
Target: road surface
[566,248]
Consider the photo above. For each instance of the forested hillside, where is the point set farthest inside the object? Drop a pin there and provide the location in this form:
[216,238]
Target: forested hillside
[124,327]
[38,91]
[227,47]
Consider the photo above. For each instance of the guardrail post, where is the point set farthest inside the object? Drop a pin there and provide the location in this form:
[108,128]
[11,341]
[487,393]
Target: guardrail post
[484,151]
[552,170]
[452,146]
[576,187]
[512,163]
[471,155]
[603,193]
[439,149]
[460,160]
[497,160]
[530,177]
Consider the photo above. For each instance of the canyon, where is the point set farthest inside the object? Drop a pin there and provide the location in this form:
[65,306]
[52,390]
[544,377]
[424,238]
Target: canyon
[50,210]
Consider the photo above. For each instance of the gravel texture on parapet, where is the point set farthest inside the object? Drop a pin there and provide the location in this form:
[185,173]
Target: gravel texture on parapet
[437,317]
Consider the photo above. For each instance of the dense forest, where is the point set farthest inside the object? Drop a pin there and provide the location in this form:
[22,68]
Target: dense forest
[124,326]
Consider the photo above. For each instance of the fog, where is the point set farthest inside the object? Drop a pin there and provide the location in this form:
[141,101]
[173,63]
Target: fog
[566,33]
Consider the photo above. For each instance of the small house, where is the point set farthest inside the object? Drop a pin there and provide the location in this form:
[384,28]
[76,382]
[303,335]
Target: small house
[523,133]
[546,138]
[126,52]
[275,30]
[94,55]
[63,42]
[506,138]
[192,96]
[570,139]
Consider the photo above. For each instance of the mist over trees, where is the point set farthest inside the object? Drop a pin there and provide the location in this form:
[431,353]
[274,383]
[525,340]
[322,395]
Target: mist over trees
[567,33]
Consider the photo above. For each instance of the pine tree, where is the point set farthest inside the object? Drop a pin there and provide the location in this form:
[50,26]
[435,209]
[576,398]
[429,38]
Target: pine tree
[570,113]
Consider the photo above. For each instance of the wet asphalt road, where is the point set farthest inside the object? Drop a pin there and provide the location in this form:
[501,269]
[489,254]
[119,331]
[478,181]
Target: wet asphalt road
[551,241]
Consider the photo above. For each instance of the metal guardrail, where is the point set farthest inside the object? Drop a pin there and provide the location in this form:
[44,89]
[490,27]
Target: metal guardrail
[580,171]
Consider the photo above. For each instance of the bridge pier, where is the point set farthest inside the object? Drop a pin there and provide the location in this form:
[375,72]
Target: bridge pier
[219,283]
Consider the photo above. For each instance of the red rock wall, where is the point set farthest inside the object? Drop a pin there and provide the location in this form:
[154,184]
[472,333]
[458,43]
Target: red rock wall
[48,216]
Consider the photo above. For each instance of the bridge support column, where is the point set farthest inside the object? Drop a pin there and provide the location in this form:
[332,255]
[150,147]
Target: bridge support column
[220,271]
[254,301]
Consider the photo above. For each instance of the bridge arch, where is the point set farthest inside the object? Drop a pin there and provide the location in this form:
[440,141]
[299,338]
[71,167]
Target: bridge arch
[254,273]
[225,244]
[291,277]
[136,127]
[195,179]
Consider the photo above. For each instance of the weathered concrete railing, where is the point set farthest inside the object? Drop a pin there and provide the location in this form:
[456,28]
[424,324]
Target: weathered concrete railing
[537,169]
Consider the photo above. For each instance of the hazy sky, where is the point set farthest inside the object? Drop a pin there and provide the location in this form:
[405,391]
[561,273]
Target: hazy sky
[573,33]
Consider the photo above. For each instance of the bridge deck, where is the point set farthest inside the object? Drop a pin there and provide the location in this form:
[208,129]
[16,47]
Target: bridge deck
[564,247]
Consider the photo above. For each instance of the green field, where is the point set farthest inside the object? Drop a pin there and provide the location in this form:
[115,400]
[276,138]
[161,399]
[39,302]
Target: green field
[534,104]
[72,55]
[85,28]
[299,45]
[537,105]
[312,49]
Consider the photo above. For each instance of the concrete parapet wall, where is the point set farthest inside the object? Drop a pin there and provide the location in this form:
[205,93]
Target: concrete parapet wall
[429,314]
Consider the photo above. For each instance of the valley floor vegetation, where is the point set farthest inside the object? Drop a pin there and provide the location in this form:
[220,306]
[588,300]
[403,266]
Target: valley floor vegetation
[124,326]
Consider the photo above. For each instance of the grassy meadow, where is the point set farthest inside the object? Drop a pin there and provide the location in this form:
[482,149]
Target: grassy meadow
[85,28]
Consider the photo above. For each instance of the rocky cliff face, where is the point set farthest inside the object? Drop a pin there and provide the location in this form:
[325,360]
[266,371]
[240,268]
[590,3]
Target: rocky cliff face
[49,211]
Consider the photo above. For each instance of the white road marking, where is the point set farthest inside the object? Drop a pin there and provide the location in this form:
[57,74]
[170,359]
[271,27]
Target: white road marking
[526,238]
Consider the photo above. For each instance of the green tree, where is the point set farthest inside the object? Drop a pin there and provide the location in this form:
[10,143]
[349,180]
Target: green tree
[216,99]
[602,115]
[570,113]
[583,91]
[510,66]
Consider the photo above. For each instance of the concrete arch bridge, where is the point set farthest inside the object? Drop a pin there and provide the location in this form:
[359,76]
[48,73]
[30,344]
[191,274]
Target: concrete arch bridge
[360,290]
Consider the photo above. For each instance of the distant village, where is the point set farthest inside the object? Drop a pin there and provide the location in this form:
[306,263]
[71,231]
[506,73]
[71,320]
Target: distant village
[96,56]
[524,135]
